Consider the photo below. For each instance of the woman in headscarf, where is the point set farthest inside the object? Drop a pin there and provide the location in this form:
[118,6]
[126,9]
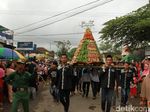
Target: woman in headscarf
[145,72]
[145,91]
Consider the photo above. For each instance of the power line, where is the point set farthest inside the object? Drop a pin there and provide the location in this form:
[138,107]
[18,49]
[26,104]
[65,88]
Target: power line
[45,14]
[60,34]
[24,14]
[65,17]
[56,15]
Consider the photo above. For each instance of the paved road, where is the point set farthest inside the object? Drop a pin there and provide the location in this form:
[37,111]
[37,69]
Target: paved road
[78,104]
[44,103]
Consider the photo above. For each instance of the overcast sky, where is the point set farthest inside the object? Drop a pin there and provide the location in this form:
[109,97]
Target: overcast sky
[17,13]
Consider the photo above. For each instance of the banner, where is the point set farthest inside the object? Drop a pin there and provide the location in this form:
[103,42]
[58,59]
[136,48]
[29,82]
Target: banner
[25,46]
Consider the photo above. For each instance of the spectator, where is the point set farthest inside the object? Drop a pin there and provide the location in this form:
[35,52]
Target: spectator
[9,70]
[139,71]
[2,73]
[146,70]
[145,92]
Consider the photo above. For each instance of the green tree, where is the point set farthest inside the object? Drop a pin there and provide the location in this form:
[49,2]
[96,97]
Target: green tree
[132,29]
[71,53]
[63,47]
[107,48]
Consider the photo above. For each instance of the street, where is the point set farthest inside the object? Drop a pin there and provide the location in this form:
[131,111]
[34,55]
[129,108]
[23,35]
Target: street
[44,103]
[68,43]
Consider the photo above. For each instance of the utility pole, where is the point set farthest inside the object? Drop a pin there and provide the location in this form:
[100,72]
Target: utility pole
[50,45]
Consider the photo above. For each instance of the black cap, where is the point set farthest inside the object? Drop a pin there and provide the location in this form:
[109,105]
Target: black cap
[126,62]
[54,62]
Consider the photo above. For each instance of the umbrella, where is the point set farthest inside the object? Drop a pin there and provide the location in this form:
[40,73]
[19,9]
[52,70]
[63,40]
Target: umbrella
[19,55]
[6,53]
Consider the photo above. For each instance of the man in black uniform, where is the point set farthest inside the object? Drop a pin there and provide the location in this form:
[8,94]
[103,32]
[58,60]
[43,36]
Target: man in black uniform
[64,81]
[31,67]
[108,78]
[126,81]
[52,73]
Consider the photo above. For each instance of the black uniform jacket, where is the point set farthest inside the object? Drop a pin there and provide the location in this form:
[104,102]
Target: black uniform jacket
[64,78]
[108,77]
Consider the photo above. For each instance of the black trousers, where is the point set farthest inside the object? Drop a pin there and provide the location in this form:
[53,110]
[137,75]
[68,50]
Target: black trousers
[106,99]
[74,84]
[85,88]
[95,87]
[65,99]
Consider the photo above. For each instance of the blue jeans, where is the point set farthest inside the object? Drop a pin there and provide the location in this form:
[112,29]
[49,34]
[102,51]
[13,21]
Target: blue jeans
[106,99]
[124,96]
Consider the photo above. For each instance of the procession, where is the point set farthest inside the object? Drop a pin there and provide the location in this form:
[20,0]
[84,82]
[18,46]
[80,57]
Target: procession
[76,72]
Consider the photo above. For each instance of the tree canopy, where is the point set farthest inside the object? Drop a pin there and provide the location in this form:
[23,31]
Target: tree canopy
[71,53]
[132,29]
[105,47]
[63,47]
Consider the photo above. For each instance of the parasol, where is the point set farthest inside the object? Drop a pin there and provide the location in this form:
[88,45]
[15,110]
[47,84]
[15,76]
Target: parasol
[6,53]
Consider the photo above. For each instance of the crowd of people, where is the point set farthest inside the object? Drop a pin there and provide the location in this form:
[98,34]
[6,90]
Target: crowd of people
[19,81]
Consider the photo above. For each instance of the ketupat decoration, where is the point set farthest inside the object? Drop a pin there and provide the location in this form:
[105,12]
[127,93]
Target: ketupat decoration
[87,51]
[82,57]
